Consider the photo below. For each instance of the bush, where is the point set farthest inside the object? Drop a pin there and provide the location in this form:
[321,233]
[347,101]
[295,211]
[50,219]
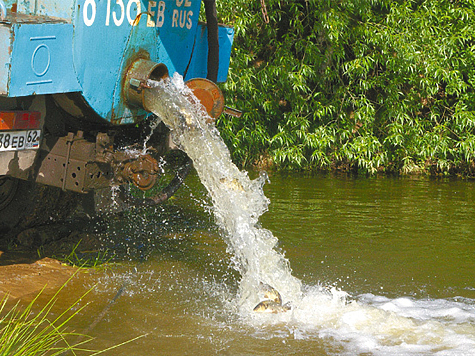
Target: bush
[358,85]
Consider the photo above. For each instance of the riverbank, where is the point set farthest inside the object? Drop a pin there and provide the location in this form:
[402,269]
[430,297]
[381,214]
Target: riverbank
[33,259]
[22,275]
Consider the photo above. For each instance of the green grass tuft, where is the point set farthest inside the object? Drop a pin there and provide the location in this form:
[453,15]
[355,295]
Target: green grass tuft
[26,332]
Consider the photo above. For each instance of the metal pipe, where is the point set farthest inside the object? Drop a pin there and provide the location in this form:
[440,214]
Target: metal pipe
[165,193]
[3,10]
[136,78]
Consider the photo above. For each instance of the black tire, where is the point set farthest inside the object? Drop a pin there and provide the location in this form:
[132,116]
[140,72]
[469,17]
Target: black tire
[12,206]
[26,204]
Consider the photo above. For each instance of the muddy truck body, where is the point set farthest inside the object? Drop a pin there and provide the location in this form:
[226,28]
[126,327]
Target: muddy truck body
[71,80]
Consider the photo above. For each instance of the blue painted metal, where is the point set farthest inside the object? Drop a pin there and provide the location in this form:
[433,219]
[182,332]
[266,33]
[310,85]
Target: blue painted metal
[95,42]
[106,43]
[50,8]
[4,59]
[41,61]
[199,63]
[3,10]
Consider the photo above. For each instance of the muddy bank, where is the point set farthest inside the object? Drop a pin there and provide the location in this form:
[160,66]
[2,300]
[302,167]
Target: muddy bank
[22,276]
[30,260]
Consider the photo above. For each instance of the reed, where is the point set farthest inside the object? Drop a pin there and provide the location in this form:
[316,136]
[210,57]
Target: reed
[25,332]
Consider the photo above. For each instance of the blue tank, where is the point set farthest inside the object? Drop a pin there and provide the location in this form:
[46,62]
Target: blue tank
[88,47]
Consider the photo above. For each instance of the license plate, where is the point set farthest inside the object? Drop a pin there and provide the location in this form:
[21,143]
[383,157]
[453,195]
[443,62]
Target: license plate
[19,140]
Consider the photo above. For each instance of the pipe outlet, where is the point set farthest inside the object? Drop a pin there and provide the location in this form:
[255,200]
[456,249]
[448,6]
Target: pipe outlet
[136,79]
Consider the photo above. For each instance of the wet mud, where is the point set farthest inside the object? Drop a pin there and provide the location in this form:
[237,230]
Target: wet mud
[31,260]
[22,276]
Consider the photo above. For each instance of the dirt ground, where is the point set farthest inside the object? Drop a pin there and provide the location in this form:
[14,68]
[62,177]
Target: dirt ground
[22,276]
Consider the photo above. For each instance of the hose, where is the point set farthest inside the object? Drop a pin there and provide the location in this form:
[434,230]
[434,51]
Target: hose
[213,41]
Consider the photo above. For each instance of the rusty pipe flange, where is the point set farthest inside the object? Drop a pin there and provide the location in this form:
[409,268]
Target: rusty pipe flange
[165,193]
[209,95]
[142,172]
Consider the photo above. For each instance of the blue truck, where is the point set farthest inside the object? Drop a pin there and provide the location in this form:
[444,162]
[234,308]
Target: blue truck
[71,80]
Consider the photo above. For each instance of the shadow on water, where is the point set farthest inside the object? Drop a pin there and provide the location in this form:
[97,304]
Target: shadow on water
[181,229]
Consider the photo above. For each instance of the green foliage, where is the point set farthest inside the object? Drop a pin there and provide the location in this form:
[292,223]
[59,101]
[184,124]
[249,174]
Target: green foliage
[368,85]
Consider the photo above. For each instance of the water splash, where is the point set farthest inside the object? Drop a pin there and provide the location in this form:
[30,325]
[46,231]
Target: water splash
[238,201]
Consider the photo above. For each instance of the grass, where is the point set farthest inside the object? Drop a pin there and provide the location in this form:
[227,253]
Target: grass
[26,332]
[95,260]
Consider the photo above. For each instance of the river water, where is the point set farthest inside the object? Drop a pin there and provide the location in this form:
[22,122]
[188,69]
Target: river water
[370,266]
[386,266]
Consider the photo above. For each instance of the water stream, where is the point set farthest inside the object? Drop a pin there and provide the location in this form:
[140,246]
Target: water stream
[238,201]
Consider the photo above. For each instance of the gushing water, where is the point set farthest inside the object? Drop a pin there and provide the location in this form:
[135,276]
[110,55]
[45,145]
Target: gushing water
[370,323]
[238,201]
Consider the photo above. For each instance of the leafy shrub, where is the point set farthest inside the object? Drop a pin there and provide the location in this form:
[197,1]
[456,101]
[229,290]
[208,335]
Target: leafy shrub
[368,85]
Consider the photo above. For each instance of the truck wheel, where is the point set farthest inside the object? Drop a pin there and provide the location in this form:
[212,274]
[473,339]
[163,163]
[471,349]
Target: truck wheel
[25,204]
[11,207]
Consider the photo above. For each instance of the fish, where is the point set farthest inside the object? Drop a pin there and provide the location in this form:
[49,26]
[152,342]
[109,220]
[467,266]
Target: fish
[270,293]
[272,302]
[270,306]
[232,184]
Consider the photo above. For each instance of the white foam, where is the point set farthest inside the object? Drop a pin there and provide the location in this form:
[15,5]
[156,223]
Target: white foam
[382,326]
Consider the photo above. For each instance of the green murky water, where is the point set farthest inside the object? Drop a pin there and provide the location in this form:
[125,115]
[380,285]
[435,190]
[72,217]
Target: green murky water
[400,253]
[391,236]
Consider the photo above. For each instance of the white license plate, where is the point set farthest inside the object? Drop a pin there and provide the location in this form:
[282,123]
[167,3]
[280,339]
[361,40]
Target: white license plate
[19,140]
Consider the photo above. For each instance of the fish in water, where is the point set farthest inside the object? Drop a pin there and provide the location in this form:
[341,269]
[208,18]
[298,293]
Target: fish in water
[272,302]
[270,293]
[232,184]
[269,306]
